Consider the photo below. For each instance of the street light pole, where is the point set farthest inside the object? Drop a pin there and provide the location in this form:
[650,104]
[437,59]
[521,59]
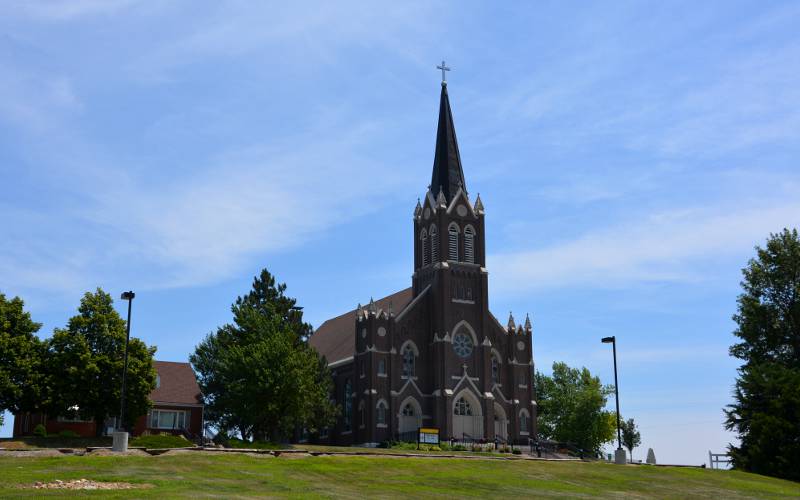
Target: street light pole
[613,341]
[129,297]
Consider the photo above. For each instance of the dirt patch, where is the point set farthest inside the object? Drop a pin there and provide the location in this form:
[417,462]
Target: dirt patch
[109,453]
[292,454]
[85,484]
[30,453]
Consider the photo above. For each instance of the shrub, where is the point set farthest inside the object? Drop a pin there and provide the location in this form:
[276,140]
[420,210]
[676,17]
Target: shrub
[459,447]
[476,448]
[517,451]
[66,433]
[435,448]
[40,431]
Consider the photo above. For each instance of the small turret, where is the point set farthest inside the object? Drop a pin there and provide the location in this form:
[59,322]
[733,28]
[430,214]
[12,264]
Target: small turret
[478,205]
[418,209]
[371,307]
[528,326]
[511,325]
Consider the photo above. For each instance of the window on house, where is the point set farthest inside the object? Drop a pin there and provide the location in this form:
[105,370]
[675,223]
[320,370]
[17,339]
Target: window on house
[495,370]
[453,243]
[348,406]
[381,367]
[462,407]
[408,361]
[380,417]
[168,419]
[158,381]
[434,244]
[469,245]
[424,245]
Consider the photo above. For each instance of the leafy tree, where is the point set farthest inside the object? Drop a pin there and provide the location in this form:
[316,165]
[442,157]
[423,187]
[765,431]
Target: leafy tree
[630,436]
[258,375]
[571,408]
[23,384]
[766,410]
[87,360]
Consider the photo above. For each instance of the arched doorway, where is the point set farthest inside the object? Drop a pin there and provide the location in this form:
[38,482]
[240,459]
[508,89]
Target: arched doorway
[410,417]
[500,422]
[467,416]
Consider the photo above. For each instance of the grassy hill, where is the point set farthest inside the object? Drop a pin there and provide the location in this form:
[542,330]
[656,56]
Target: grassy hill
[204,474]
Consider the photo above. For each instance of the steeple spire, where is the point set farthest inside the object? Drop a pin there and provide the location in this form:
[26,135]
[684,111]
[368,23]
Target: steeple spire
[447,171]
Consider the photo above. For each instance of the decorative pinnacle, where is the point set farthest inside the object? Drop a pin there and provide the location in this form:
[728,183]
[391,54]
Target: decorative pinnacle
[511,324]
[528,326]
[440,200]
[371,306]
[418,208]
[478,204]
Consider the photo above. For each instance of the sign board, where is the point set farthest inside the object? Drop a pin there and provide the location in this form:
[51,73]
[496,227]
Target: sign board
[428,435]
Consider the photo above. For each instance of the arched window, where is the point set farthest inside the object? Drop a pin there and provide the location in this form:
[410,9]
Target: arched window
[381,367]
[348,405]
[462,407]
[380,416]
[409,360]
[424,244]
[434,244]
[524,421]
[362,414]
[408,410]
[495,370]
[453,242]
[469,245]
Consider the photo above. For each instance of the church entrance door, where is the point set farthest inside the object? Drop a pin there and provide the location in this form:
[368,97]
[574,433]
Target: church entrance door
[467,418]
[500,422]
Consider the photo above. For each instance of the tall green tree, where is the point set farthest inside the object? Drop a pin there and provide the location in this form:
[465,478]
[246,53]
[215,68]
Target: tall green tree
[630,436]
[571,408]
[766,410]
[258,375]
[23,381]
[86,360]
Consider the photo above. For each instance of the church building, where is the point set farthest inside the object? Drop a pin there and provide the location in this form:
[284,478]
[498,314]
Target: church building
[433,355]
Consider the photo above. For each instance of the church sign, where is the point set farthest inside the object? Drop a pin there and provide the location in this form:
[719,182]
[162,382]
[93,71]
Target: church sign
[428,435]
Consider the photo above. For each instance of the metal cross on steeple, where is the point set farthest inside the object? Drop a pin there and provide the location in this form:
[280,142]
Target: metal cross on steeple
[444,68]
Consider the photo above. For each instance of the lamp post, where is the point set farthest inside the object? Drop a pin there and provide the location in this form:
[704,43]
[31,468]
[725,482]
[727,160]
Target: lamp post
[619,454]
[121,436]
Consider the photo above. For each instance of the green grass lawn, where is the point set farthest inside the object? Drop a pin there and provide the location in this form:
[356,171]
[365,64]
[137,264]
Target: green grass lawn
[198,474]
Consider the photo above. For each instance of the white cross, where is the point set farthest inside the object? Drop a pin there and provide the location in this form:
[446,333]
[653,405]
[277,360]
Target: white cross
[444,68]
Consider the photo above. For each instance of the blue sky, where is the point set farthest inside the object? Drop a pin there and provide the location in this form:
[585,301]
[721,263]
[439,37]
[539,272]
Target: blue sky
[629,155]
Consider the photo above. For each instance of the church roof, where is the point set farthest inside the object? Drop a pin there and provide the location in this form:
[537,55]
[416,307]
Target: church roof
[447,172]
[335,338]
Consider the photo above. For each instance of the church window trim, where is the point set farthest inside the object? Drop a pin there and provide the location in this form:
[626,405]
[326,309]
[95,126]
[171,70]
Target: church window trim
[462,407]
[452,247]
[524,422]
[409,353]
[464,324]
[362,415]
[424,245]
[469,244]
[348,406]
[462,344]
[381,410]
[496,367]
[434,237]
[381,367]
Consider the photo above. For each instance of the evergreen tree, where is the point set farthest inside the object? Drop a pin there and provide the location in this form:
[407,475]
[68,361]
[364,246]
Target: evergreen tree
[258,375]
[630,436]
[86,361]
[571,408]
[23,382]
[766,410]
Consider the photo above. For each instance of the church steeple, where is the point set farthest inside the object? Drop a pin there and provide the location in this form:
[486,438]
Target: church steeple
[447,171]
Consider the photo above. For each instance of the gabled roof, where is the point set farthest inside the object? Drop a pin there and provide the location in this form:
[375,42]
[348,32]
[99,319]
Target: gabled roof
[177,384]
[335,338]
[447,172]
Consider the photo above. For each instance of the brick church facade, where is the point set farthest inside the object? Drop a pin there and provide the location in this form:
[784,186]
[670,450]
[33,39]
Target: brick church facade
[433,355]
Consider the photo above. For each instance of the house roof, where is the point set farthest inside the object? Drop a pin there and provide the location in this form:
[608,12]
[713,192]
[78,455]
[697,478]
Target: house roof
[177,384]
[335,338]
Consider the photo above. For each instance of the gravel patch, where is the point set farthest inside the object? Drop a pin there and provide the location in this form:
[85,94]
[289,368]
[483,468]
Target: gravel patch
[84,484]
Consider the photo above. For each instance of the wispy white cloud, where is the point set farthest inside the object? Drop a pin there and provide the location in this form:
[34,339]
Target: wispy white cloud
[662,247]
